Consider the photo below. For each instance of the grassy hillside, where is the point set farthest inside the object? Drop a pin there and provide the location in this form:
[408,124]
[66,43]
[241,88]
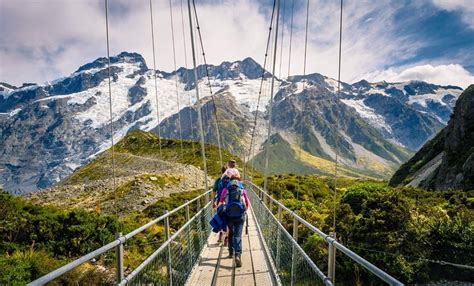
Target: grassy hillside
[35,240]
[401,230]
[285,158]
[142,175]
[282,159]
[145,144]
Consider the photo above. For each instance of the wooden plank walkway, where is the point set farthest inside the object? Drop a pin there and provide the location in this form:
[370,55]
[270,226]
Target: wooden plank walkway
[215,268]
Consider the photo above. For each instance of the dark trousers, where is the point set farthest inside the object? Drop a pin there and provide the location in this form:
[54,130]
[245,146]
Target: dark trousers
[235,236]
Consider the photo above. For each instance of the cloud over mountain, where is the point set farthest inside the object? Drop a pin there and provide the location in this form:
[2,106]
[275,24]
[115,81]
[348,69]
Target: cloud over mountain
[43,42]
[451,74]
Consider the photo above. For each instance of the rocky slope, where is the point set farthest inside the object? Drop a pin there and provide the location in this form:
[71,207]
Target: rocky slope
[313,120]
[380,124]
[446,161]
[142,176]
[49,130]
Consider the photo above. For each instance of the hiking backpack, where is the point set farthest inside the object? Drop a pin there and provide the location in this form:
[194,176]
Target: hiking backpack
[234,201]
[223,182]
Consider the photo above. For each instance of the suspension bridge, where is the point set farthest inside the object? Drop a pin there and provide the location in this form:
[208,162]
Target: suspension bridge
[189,254]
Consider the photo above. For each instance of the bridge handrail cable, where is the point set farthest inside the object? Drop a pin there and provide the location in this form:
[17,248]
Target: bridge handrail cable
[294,243]
[163,246]
[331,241]
[117,242]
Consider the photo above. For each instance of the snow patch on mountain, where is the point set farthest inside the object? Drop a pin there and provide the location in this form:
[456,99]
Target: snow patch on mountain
[246,91]
[368,114]
[332,83]
[424,99]
[14,112]
[5,90]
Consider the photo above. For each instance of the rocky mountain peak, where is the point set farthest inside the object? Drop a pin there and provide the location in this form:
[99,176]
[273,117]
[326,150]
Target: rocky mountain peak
[49,130]
[123,57]
[446,161]
[5,89]
[247,68]
[363,84]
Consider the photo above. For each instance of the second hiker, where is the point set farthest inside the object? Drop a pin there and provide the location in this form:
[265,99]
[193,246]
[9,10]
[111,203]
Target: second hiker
[236,202]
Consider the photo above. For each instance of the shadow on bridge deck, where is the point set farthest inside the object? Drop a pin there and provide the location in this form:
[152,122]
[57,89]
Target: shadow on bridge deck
[215,268]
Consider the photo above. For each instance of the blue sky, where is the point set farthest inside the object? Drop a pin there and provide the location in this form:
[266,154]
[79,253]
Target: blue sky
[430,40]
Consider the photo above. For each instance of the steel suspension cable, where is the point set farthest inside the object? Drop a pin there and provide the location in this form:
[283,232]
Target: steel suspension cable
[337,120]
[303,118]
[291,35]
[267,153]
[306,42]
[210,86]
[196,86]
[110,103]
[187,79]
[206,116]
[259,92]
[282,37]
[268,83]
[154,77]
[176,80]
[300,138]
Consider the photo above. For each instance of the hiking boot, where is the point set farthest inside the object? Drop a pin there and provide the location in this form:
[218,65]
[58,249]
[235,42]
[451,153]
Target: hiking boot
[238,261]
[231,254]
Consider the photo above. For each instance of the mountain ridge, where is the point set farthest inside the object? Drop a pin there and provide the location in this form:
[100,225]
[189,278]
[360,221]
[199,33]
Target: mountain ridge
[49,130]
[446,161]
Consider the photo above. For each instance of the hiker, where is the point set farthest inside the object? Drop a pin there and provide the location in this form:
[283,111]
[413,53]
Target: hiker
[235,200]
[219,184]
[215,188]
[232,171]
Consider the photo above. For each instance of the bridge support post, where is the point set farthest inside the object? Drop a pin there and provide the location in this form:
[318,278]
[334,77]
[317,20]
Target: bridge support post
[279,238]
[264,198]
[332,259]
[189,238]
[293,250]
[119,254]
[187,211]
[167,236]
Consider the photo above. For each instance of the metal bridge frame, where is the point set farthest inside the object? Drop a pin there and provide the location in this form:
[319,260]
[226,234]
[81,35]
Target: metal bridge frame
[120,241]
[333,244]
[260,200]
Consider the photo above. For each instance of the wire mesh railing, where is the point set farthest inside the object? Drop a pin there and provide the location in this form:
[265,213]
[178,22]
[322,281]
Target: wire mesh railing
[173,261]
[293,264]
[180,249]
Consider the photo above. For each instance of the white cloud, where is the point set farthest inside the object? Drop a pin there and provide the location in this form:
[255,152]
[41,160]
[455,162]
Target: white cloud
[465,7]
[452,74]
[42,42]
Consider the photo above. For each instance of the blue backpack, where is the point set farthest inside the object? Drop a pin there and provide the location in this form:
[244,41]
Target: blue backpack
[234,201]
[223,182]
[218,222]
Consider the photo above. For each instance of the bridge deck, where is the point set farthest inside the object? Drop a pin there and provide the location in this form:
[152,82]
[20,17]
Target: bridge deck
[215,268]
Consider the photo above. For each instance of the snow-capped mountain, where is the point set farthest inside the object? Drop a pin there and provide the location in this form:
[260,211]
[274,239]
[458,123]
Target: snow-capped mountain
[406,113]
[446,161]
[5,90]
[378,129]
[49,130]
[46,131]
